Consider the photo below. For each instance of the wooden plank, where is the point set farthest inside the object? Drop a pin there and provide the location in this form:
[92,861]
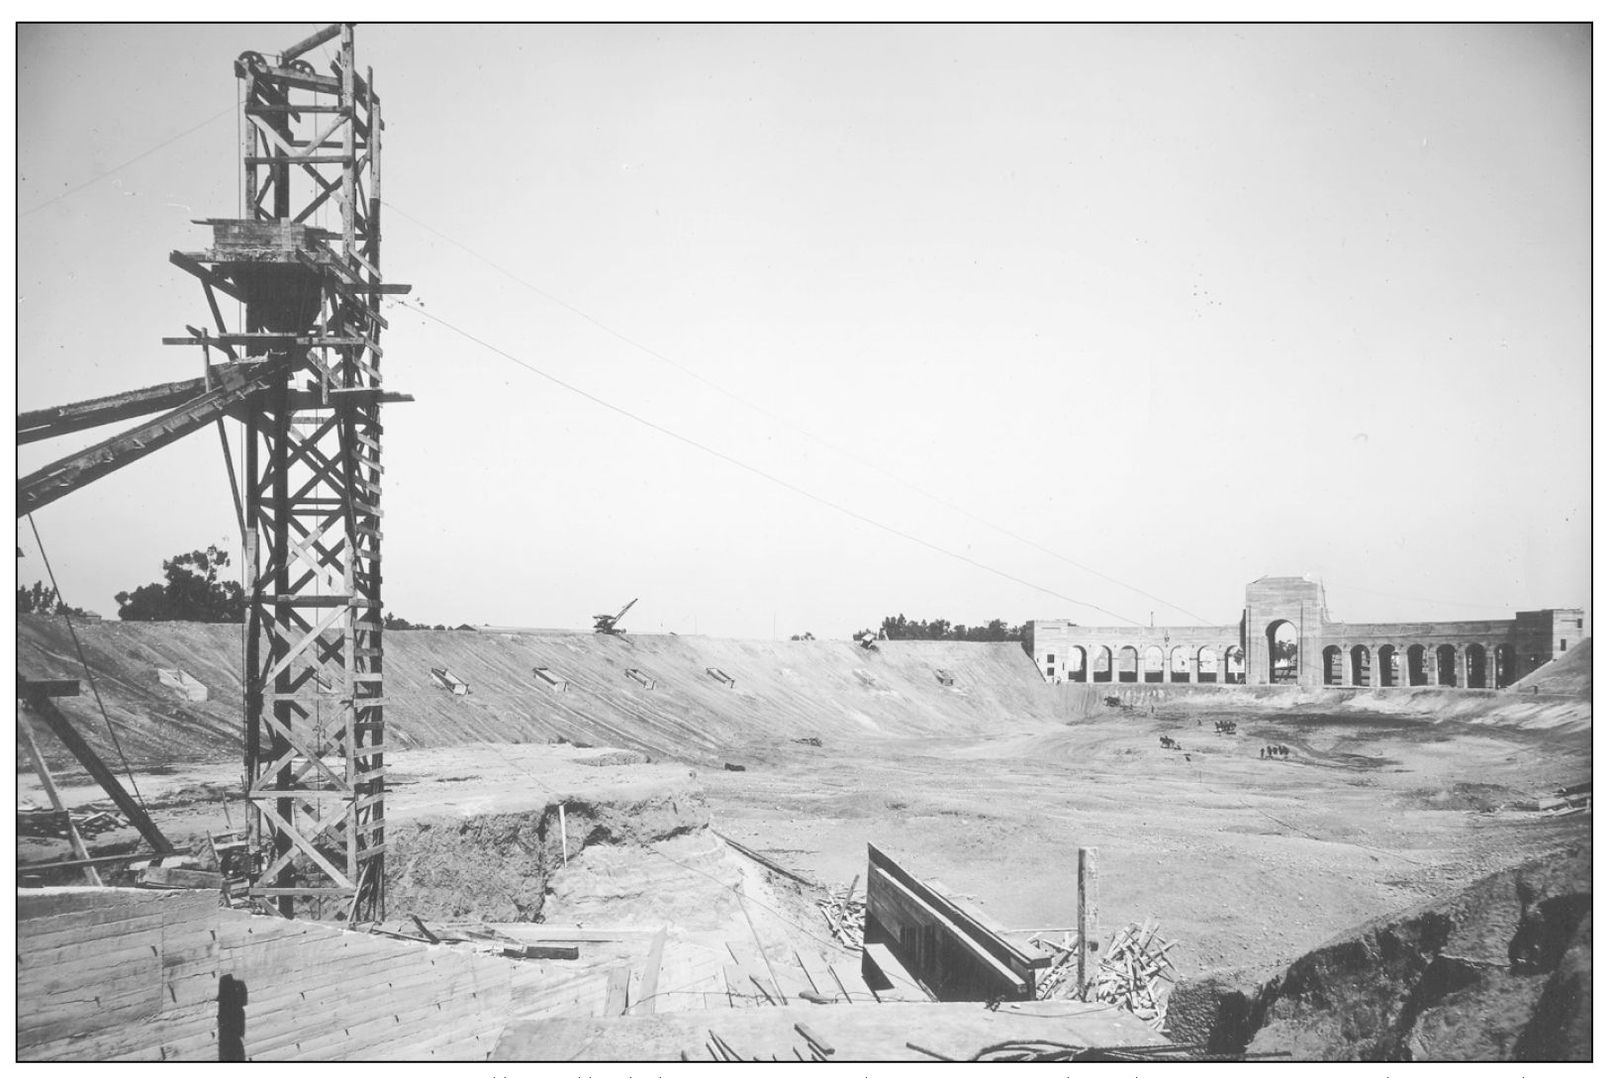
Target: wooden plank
[741,987]
[132,811]
[891,906]
[542,950]
[616,990]
[161,876]
[542,933]
[765,862]
[116,858]
[848,980]
[82,929]
[1086,912]
[879,960]
[652,975]
[943,942]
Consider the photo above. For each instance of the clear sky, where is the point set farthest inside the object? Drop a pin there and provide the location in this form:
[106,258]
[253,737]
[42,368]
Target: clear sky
[1183,305]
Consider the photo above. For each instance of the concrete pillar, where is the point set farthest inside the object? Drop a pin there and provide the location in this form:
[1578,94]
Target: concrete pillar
[1374,675]
[1221,666]
[1490,667]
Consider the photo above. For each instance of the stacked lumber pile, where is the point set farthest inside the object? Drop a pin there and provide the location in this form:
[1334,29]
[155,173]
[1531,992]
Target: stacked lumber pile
[1136,974]
[844,914]
[48,823]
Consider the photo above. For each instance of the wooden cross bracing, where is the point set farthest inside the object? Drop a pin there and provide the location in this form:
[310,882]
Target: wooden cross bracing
[303,375]
[315,780]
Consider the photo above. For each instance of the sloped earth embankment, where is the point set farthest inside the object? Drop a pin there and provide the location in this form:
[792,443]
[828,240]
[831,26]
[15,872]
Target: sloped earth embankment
[770,691]
[1501,971]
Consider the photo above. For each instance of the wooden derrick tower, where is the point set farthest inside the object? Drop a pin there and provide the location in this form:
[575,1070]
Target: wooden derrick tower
[315,732]
[303,374]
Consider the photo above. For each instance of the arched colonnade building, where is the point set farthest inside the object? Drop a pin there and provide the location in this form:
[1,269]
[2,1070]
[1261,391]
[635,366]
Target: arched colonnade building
[1459,654]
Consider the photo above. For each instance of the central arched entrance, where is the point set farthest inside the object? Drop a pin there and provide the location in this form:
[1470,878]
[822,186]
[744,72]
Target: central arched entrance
[1126,664]
[1283,651]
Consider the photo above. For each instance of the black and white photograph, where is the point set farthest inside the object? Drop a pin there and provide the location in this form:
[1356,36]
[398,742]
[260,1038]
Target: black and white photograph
[611,543]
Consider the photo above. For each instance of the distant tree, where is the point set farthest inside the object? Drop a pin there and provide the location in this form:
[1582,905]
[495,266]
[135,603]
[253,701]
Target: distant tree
[392,621]
[996,630]
[803,636]
[192,592]
[39,599]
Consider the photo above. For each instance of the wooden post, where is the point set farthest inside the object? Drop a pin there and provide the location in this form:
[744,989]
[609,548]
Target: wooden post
[40,703]
[1086,912]
[563,835]
[80,851]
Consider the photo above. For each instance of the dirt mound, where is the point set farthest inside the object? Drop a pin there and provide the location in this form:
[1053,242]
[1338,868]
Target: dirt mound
[1499,972]
[676,707]
[500,866]
[1570,674]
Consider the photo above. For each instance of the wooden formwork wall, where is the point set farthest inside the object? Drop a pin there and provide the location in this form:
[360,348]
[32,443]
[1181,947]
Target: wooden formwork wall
[944,947]
[119,974]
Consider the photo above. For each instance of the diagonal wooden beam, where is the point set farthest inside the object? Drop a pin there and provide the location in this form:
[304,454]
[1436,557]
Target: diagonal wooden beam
[64,476]
[299,842]
[336,614]
[42,705]
[42,423]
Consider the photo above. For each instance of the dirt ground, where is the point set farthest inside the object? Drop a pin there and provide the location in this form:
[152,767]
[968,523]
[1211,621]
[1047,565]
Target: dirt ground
[1249,862]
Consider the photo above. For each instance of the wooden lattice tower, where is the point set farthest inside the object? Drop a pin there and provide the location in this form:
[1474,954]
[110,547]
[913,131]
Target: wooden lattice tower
[311,150]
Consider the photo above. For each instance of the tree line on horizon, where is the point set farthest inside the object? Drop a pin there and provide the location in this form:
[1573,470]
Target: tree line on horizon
[995,631]
[190,590]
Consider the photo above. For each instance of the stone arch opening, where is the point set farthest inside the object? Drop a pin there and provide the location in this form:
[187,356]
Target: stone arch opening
[1234,657]
[1333,665]
[1103,664]
[1474,666]
[1506,666]
[1178,664]
[1076,664]
[1361,665]
[1283,652]
[1154,663]
[1417,668]
[1126,664]
[1446,665]
[1389,665]
[1205,664]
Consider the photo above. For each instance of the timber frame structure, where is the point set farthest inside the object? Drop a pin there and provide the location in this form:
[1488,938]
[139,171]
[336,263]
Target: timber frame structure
[303,374]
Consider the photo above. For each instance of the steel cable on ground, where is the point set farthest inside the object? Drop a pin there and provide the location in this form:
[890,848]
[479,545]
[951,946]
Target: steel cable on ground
[859,459]
[753,469]
[88,675]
